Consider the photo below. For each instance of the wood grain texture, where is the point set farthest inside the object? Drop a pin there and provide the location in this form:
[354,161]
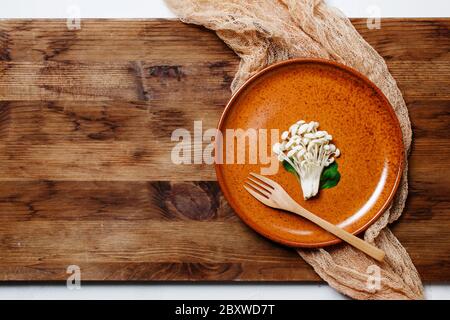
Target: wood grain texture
[85,173]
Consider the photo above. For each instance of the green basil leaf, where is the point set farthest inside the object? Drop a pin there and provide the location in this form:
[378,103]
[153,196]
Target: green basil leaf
[327,184]
[329,172]
[288,167]
[330,176]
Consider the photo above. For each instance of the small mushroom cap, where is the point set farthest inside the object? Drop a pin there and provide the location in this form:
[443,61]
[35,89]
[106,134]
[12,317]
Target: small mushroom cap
[319,141]
[293,129]
[290,143]
[321,134]
[276,148]
[302,129]
[310,135]
[337,153]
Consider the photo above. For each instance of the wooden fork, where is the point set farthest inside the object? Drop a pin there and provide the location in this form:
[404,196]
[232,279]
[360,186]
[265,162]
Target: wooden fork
[273,195]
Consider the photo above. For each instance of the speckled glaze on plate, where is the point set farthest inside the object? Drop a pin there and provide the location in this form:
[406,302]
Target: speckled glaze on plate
[363,125]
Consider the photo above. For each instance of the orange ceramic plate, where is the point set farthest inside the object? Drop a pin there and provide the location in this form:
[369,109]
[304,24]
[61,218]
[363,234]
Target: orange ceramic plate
[363,125]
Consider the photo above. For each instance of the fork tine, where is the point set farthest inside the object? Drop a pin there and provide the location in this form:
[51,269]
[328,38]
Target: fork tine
[264,192]
[264,179]
[258,197]
[262,185]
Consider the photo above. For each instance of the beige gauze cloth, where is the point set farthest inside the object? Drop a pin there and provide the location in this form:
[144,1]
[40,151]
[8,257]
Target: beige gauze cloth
[262,32]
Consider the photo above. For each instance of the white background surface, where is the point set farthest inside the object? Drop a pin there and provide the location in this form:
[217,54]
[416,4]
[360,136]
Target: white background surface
[157,9]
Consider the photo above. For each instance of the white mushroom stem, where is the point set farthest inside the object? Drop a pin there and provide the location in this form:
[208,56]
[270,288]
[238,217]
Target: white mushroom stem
[308,151]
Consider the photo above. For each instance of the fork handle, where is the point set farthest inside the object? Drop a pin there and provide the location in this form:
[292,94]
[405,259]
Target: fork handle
[358,243]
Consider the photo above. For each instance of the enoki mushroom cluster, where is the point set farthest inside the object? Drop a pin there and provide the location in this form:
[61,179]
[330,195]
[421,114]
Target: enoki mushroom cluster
[308,151]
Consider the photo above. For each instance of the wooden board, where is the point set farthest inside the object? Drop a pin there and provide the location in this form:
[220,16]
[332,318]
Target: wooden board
[85,173]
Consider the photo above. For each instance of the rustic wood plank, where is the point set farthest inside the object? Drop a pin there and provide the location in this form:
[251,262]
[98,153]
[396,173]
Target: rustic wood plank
[415,78]
[101,40]
[165,271]
[85,124]
[419,39]
[150,240]
[90,141]
[133,81]
[113,200]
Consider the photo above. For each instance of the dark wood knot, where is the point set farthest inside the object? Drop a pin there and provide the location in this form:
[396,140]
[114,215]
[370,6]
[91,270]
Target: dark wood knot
[191,201]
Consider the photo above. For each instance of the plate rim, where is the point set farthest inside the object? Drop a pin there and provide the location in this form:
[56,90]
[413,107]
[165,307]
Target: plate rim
[355,73]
